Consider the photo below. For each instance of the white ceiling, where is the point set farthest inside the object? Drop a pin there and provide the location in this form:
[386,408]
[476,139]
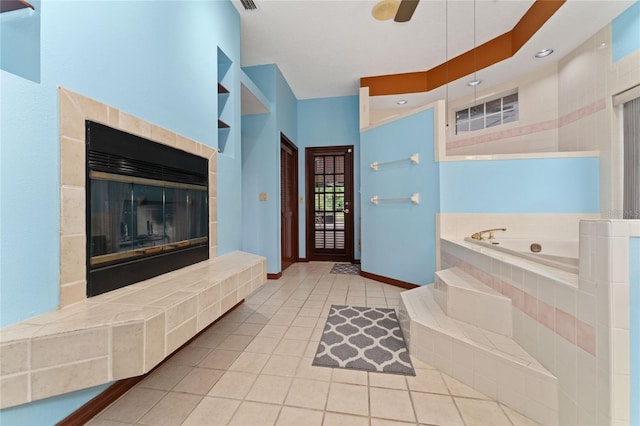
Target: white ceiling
[323,47]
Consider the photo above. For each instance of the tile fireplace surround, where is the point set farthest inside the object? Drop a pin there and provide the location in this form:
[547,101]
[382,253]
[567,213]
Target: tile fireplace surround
[126,332]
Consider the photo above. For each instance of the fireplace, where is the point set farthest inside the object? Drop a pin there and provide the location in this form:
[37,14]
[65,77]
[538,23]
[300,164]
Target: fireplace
[147,208]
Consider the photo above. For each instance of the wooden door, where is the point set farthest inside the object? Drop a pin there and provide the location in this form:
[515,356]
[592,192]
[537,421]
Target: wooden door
[329,182]
[288,202]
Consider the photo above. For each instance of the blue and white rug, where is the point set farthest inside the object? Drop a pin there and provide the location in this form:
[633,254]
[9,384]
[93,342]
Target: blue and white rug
[367,339]
[345,268]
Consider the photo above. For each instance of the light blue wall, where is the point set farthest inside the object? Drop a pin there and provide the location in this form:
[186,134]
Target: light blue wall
[158,63]
[49,411]
[20,42]
[634,327]
[328,122]
[398,239]
[261,163]
[625,33]
[554,185]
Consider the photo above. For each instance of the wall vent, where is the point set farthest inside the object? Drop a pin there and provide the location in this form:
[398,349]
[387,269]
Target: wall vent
[248,4]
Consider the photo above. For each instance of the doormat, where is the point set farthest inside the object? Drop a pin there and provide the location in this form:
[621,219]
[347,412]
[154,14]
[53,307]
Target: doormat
[346,268]
[368,339]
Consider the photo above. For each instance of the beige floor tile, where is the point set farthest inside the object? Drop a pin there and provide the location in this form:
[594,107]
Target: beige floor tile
[233,384]
[100,422]
[291,416]
[308,371]
[199,381]
[302,321]
[308,393]
[263,345]
[288,310]
[281,365]
[255,414]
[336,419]
[281,319]
[457,388]
[391,404]
[345,375]
[235,342]
[312,348]
[133,405]
[271,330]
[249,362]
[248,329]
[219,359]
[316,335]
[190,356]
[258,319]
[427,381]
[291,347]
[385,422]
[421,364]
[516,418]
[350,399]
[166,376]
[224,326]
[385,380]
[311,312]
[270,389]
[479,413]
[267,309]
[212,411]
[298,333]
[230,361]
[173,409]
[435,409]
[209,340]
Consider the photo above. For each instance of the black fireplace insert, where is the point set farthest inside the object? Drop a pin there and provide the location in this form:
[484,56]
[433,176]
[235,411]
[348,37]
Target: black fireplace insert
[147,208]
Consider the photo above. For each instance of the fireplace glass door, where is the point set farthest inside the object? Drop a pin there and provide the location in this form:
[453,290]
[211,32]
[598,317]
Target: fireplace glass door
[134,217]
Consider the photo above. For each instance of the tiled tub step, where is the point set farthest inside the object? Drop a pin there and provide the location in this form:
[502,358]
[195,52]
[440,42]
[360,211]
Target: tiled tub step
[489,362]
[465,298]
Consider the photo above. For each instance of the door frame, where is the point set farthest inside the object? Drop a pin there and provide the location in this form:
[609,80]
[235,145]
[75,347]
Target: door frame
[310,202]
[295,232]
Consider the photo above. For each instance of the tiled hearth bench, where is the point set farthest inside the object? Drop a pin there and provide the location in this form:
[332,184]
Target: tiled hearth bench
[123,333]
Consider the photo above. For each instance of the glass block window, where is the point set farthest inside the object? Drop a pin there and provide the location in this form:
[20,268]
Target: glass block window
[489,114]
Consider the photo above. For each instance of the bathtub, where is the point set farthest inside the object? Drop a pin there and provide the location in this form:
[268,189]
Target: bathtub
[557,254]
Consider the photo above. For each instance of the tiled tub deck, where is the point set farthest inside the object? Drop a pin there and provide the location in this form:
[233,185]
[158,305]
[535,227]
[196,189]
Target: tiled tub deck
[123,333]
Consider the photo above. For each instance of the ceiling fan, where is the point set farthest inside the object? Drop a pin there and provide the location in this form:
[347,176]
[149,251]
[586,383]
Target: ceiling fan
[399,10]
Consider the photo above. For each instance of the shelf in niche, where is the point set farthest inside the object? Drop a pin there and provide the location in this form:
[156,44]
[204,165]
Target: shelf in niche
[223,125]
[222,90]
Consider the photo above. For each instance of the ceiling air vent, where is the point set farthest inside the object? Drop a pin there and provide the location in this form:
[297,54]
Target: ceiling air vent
[248,4]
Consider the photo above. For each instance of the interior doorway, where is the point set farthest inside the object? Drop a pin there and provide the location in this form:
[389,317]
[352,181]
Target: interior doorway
[288,202]
[329,206]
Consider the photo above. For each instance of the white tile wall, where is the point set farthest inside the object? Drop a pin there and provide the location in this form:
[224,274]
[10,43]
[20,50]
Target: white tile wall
[594,389]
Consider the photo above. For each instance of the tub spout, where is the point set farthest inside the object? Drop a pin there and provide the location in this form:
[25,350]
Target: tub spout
[479,235]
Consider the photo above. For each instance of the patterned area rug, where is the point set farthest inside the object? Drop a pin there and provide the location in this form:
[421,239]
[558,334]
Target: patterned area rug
[363,339]
[345,268]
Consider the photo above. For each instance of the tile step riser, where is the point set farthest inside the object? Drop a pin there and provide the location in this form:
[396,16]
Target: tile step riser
[471,306]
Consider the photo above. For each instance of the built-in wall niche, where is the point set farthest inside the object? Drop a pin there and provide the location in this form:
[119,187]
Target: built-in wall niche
[225,109]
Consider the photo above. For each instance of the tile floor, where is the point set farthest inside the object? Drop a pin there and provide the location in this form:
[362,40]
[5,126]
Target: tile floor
[253,367]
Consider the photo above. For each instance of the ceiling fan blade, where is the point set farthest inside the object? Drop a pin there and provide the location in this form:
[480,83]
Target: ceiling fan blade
[405,11]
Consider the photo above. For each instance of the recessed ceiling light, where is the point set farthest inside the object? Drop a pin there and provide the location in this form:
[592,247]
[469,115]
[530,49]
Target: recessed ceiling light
[543,53]
[602,45]
[402,102]
[474,83]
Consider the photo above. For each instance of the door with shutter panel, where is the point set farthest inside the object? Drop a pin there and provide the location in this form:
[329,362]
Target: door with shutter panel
[329,181]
